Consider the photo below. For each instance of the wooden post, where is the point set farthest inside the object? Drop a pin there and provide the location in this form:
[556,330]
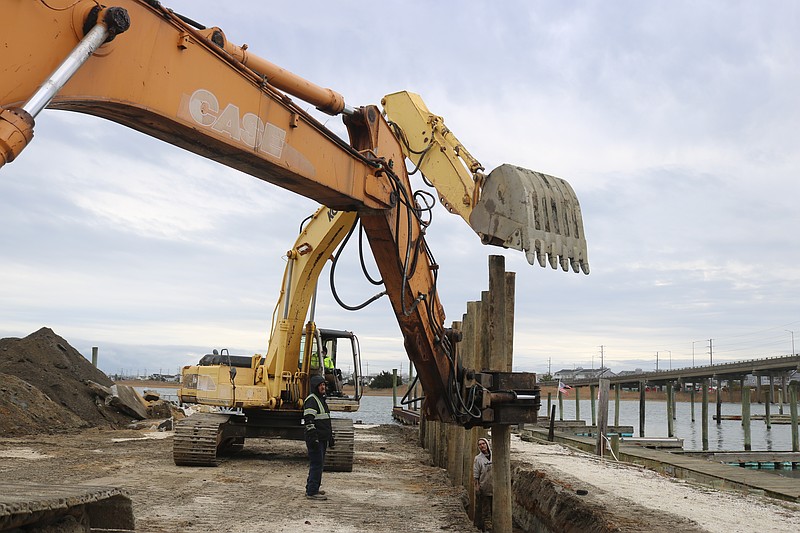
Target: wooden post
[561,406]
[394,387]
[602,422]
[670,407]
[719,401]
[746,419]
[780,400]
[771,397]
[767,402]
[577,402]
[641,408]
[793,415]
[691,399]
[592,394]
[457,432]
[472,330]
[551,429]
[511,285]
[549,401]
[674,410]
[501,433]
[617,388]
[704,414]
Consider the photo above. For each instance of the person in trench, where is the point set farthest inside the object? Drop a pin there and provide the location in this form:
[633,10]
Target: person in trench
[482,474]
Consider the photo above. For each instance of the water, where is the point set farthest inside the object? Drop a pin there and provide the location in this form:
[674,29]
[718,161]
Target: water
[728,435]
[169,394]
[373,409]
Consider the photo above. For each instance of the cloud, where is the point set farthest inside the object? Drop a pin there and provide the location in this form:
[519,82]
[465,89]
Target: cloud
[675,124]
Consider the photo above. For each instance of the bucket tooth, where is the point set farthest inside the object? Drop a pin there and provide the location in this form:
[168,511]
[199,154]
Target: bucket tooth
[532,212]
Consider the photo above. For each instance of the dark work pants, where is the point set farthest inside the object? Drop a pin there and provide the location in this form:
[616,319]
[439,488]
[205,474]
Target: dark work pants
[483,512]
[316,456]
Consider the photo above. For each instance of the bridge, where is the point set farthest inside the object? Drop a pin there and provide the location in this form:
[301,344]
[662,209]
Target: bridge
[780,366]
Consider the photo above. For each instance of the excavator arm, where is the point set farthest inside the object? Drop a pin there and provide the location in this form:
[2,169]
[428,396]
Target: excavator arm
[141,65]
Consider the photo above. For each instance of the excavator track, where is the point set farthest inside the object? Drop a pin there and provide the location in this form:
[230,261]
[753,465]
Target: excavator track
[340,458]
[197,438]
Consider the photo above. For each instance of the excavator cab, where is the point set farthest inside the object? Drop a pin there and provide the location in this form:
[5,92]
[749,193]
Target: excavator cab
[342,372]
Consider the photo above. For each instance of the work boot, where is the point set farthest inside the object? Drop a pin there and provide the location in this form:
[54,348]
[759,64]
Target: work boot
[316,496]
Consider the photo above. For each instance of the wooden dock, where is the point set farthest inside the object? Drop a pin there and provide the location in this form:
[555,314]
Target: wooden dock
[774,419]
[405,416]
[684,466]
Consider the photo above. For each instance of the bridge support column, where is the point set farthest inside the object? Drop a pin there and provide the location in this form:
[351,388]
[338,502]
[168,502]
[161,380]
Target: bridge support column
[759,395]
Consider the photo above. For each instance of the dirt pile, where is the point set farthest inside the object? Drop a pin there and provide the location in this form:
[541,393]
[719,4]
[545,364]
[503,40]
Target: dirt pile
[44,387]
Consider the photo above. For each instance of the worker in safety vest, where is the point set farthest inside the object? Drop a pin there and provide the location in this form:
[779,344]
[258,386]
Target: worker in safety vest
[314,361]
[319,435]
[332,375]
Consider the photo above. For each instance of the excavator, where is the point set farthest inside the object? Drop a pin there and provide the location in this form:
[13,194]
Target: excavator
[245,387]
[140,64]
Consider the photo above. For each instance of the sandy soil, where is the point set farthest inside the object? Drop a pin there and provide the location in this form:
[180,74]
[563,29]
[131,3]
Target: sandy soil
[392,486]
[628,491]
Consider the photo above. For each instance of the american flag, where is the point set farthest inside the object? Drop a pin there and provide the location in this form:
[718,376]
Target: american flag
[563,389]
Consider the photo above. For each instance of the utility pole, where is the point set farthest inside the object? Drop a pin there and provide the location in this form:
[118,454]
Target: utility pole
[711,352]
[602,362]
[549,360]
[792,332]
[693,353]
[656,361]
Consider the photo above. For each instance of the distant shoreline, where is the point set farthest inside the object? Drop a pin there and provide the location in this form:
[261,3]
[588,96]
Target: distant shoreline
[143,383]
[569,397]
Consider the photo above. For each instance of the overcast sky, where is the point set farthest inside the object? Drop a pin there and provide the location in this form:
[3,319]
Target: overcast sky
[675,122]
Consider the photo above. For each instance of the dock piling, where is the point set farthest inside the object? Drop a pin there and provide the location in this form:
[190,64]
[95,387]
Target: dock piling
[793,414]
[670,411]
[746,418]
[641,408]
[767,402]
[704,414]
[602,422]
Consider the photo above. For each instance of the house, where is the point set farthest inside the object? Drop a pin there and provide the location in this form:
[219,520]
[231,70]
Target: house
[582,373]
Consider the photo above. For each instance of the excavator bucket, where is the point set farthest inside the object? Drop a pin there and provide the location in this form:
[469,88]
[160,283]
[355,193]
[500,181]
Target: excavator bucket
[532,212]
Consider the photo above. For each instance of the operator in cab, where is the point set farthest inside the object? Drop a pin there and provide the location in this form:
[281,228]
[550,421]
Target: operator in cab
[319,435]
[331,373]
